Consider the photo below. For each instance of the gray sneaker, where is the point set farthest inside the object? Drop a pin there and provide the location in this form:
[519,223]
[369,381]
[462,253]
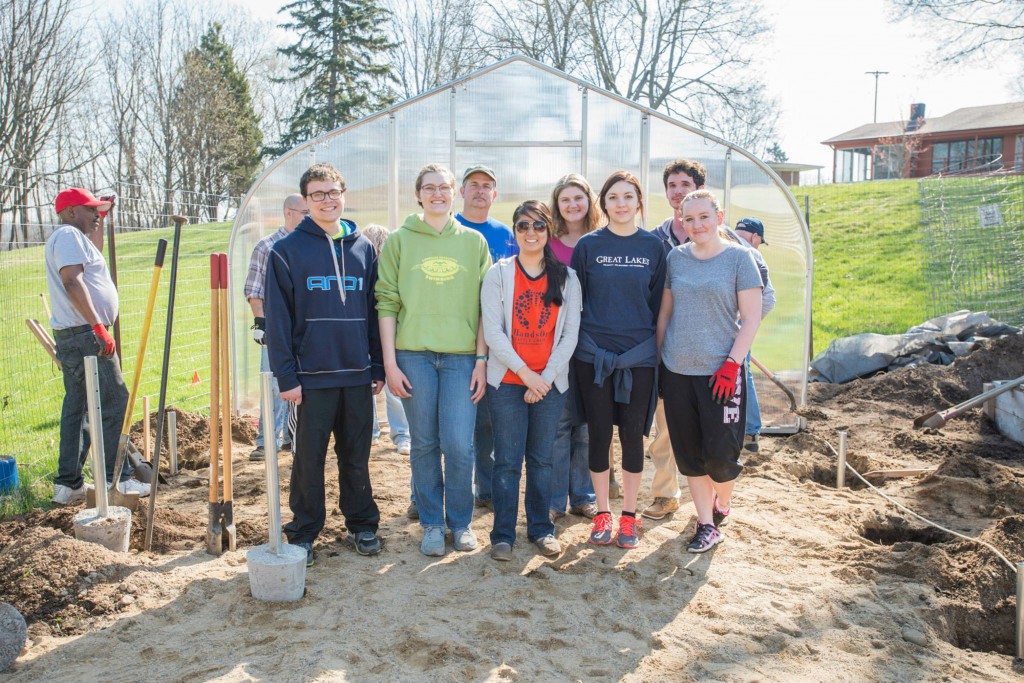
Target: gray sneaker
[257,454]
[464,539]
[433,541]
[502,552]
[366,542]
[308,547]
[412,512]
[548,545]
[588,510]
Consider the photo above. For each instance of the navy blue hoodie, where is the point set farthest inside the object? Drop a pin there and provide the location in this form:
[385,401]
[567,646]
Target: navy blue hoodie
[319,335]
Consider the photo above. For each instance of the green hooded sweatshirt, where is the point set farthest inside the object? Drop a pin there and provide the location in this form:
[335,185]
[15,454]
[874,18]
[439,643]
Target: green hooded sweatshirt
[431,282]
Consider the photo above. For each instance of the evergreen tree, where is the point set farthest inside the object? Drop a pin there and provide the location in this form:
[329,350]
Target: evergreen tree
[216,126]
[340,53]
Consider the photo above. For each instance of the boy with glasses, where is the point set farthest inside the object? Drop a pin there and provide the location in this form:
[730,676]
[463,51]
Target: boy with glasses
[324,347]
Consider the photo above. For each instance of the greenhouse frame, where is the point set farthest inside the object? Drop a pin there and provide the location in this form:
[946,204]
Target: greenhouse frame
[533,124]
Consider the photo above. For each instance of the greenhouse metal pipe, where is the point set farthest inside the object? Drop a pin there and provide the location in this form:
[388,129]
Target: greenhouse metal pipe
[270,447]
[841,466]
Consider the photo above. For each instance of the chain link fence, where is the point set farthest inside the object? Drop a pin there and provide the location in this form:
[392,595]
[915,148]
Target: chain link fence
[974,236]
[31,385]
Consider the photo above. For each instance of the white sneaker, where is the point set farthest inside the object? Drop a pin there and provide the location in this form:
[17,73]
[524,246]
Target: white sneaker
[404,448]
[134,486]
[464,540]
[65,495]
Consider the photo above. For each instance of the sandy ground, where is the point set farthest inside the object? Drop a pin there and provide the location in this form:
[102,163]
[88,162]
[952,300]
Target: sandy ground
[812,583]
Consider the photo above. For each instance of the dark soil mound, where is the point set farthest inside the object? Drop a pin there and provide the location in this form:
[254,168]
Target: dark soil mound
[194,438]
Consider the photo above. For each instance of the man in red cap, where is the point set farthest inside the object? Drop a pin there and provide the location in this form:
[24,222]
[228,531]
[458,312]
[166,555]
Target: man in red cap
[84,305]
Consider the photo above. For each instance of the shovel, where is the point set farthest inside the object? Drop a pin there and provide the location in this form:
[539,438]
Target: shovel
[778,382]
[115,495]
[936,419]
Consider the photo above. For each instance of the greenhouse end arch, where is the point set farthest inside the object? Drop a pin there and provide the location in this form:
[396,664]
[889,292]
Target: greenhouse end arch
[533,124]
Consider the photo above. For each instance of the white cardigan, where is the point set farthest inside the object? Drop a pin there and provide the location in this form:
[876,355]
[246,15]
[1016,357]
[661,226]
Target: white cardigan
[497,295]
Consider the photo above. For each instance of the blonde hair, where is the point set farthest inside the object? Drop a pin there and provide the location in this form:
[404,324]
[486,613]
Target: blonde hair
[703,194]
[377,234]
[593,218]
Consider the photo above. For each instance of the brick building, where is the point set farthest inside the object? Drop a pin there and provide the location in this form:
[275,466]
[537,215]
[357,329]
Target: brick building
[970,139]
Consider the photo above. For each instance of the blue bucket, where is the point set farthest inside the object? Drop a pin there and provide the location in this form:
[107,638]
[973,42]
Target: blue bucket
[8,474]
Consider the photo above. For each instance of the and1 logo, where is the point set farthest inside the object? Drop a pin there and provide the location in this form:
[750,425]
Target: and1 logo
[439,269]
[327,282]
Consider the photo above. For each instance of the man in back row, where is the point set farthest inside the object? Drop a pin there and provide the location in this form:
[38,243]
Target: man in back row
[85,304]
[681,177]
[294,211]
[479,190]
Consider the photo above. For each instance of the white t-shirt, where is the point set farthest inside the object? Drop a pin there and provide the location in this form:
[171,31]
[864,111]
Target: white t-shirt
[68,246]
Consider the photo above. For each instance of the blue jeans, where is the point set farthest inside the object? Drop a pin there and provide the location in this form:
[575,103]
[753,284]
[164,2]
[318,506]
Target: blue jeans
[396,418]
[570,474]
[484,438]
[441,417]
[73,345]
[522,430]
[753,409]
[280,407]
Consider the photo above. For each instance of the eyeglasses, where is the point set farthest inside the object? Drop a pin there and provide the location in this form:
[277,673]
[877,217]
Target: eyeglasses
[320,196]
[434,189]
[538,226]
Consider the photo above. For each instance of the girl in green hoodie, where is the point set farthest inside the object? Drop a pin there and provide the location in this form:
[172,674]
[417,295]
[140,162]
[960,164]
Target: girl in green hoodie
[435,358]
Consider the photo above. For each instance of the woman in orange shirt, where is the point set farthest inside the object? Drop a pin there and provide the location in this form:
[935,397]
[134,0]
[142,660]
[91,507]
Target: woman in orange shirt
[531,317]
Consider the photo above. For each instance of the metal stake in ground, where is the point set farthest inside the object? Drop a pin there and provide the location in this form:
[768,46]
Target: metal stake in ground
[270,443]
[841,464]
[99,462]
[161,406]
[131,500]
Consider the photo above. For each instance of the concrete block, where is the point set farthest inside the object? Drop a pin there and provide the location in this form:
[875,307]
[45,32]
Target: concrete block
[113,532]
[277,578]
[1009,413]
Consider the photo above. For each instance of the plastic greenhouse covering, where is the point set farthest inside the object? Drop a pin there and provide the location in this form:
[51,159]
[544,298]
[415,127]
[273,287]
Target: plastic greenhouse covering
[532,124]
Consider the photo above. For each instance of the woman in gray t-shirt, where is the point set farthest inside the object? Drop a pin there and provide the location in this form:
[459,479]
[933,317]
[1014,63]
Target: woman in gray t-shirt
[711,287]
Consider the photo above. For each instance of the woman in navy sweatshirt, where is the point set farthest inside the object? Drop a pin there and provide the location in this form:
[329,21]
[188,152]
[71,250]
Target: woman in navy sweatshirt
[621,269]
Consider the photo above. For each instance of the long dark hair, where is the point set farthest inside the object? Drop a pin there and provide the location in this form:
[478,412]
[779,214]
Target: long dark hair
[556,271]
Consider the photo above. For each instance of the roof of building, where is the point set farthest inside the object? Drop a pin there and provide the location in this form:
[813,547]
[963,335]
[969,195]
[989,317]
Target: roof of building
[966,118]
[780,166]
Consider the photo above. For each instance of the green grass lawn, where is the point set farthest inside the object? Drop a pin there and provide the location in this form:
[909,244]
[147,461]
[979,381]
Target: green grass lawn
[869,258]
[31,387]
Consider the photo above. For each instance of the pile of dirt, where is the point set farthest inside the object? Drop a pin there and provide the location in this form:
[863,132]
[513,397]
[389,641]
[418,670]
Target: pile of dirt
[59,581]
[932,386]
[194,437]
[988,488]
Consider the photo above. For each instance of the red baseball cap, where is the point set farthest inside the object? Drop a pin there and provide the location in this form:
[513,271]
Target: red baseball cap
[78,196]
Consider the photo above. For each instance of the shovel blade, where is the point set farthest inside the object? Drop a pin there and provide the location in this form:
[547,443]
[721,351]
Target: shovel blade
[114,497]
[932,419]
[214,531]
[228,524]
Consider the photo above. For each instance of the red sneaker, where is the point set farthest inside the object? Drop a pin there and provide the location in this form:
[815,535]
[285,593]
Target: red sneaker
[629,532]
[601,531]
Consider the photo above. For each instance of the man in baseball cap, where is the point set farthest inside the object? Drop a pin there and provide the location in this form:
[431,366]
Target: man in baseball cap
[84,305]
[479,190]
[751,230]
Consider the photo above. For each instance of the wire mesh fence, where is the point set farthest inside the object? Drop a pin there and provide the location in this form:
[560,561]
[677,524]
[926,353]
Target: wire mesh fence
[974,236]
[31,385]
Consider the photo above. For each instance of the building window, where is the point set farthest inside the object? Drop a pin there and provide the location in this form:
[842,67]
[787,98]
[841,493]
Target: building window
[888,161]
[965,155]
[854,165]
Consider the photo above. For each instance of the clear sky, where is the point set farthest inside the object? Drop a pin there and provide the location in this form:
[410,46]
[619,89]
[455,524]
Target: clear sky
[816,62]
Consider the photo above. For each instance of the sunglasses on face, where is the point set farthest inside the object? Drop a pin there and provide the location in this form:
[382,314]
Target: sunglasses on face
[524,226]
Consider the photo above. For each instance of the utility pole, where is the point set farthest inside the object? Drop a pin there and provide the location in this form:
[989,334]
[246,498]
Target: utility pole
[876,74]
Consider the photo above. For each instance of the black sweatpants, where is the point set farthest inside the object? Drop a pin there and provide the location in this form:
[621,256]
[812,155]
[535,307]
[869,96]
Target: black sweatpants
[348,414]
[603,413]
[706,437]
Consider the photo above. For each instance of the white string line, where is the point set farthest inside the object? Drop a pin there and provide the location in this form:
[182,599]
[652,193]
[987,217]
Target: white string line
[927,521]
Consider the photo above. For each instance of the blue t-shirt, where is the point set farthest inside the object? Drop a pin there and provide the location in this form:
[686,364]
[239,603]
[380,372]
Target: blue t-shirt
[623,279]
[500,240]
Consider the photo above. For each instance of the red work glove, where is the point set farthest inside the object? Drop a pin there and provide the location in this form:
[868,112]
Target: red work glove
[723,382]
[106,341]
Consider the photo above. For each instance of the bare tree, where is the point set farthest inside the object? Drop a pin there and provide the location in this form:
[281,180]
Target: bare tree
[550,31]
[42,74]
[438,43]
[969,28]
